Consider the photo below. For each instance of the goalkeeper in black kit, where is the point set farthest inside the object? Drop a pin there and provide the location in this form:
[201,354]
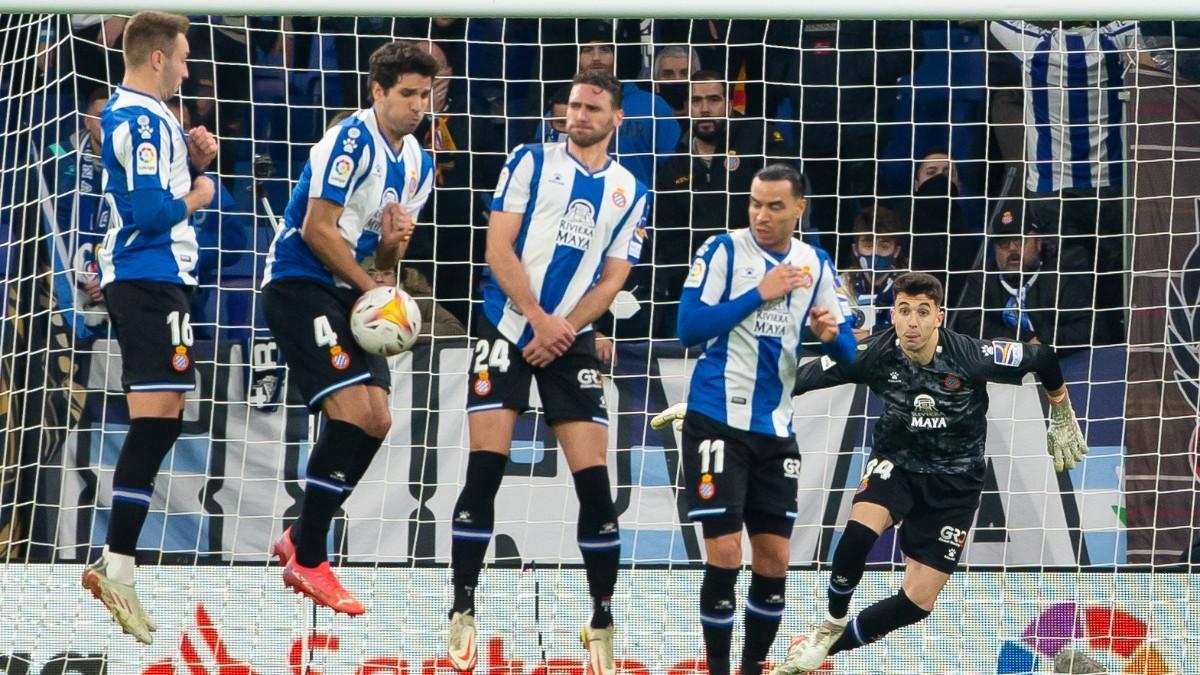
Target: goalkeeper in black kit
[927,464]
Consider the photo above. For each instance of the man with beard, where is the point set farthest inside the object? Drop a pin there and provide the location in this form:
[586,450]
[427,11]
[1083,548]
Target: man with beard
[705,187]
[567,225]
[359,195]
[1027,291]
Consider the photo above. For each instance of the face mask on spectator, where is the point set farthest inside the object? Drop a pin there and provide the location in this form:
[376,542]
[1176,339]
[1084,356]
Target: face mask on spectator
[877,263]
[938,186]
[674,93]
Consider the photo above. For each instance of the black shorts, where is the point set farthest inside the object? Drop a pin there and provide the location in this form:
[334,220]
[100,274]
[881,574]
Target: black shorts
[730,472]
[935,510]
[571,386]
[310,321]
[154,328]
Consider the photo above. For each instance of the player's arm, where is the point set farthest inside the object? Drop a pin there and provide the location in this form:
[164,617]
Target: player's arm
[142,146]
[702,314]
[620,257]
[1007,362]
[320,232]
[826,372]
[827,319]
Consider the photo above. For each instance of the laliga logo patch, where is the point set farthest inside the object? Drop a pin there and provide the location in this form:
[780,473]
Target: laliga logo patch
[180,360]
[147,160]
[707,490]
[339,358]
[339,174]
[618,199]
[483,385]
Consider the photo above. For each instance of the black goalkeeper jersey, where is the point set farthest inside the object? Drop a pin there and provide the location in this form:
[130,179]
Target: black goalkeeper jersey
[934,416]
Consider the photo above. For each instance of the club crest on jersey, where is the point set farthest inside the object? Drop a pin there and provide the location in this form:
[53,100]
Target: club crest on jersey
[806,277]
[925,414]
[412,183]
[618,198]
[732,162]
[482,385]
[1007,353]
[180,359]
[577,226]
[339,358]
[952,382]
[707,489]
[339,173]
[147,159]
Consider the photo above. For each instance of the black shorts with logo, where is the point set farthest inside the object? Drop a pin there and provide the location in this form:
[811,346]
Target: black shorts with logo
[310,322]
[571,387]
[730,472]
[154,329]
[935,510]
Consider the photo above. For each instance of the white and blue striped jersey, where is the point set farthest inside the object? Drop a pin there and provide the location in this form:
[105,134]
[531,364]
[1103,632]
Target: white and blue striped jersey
[572,220]
[144,156]
[1073,110]
[356,167]
[745,377]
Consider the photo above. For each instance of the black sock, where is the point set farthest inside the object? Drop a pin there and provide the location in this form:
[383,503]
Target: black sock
[362,462]
[878,620]
[764,611]
[848,562]
[329,465]
[471,530]
[717,606]
[599,539]
[147,442]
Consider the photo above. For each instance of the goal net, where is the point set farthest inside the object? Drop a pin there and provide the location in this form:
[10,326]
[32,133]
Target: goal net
[1045,171]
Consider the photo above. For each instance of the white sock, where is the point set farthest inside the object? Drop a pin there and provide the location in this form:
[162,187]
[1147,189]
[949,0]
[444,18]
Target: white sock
[120,566]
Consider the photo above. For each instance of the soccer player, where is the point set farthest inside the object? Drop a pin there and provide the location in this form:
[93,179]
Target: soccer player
[153,183]
[359,195]
[927,463]
[567,225]
[746,300]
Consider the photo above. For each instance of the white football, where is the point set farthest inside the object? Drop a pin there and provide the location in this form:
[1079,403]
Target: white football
[385,321]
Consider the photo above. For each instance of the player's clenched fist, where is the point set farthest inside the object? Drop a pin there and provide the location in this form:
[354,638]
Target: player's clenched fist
[397,225]
[823,324]
[202,147]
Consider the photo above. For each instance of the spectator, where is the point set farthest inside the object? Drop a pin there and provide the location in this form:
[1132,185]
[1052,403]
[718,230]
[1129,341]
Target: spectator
[555,127]
[649,131]
[74,174]
[1024,293]
[673,67]
[880,254]
[704,188]
[223,234]
[941,242]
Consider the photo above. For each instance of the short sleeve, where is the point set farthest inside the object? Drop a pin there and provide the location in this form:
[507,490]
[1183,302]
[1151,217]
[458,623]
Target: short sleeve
[338,162]
[142,146]
[516,178]
[631,236]
[709,271]
[827,294]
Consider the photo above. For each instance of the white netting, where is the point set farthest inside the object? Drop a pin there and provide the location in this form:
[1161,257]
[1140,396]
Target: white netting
[1090,131]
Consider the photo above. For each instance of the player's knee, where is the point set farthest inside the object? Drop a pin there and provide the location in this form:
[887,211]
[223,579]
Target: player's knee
[723,550]
[379,422]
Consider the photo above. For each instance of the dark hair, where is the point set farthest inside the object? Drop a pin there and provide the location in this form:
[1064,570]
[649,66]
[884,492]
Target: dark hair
[98,94]
[150,31]
[561,95]
[391,61]
[935,150]
[919,283]
[707,76]
[780,171]
[605,81]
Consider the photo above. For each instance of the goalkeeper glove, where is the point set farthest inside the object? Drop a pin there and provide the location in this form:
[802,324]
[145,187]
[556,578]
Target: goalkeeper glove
[673,416]
[1064,440]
